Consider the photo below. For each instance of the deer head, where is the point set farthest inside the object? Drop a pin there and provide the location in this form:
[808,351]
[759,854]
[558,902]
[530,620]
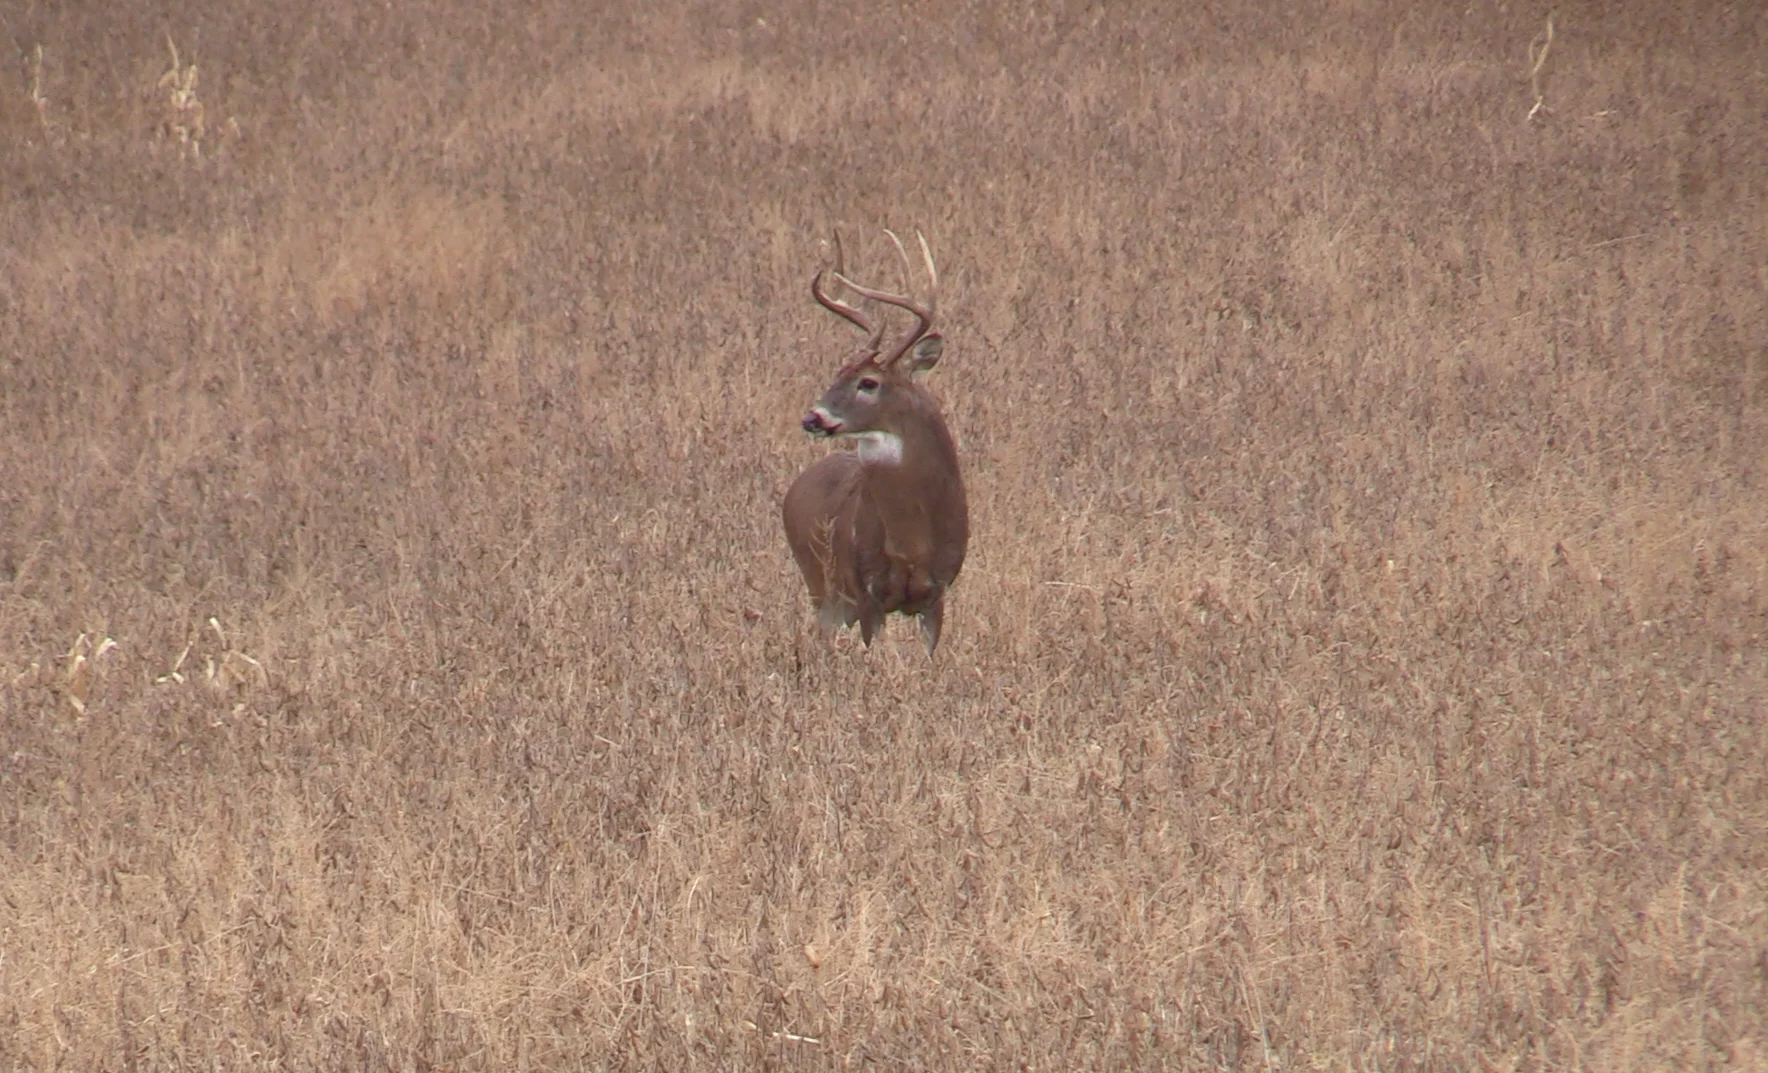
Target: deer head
[874,397]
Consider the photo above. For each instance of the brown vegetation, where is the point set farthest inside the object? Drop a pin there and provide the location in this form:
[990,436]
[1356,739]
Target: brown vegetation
[1360,661]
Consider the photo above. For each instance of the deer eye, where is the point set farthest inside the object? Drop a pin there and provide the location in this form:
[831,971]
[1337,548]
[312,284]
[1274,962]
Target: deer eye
[868,384]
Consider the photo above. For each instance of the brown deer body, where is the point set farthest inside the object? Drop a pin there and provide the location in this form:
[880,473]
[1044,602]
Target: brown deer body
[884,528]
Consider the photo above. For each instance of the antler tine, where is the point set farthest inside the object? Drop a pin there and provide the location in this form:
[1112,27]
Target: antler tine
[850,313]
[903,256]
[927,257]
[923,314]
[932,275]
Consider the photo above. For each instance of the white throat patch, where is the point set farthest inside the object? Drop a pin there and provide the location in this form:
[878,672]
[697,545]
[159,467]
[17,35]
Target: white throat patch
[879,448]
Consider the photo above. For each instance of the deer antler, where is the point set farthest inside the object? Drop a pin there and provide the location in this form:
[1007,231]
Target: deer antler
[850,313]
[923,315]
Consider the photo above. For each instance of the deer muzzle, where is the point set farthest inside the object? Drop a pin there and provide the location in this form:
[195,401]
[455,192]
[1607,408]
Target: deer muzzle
[818,422]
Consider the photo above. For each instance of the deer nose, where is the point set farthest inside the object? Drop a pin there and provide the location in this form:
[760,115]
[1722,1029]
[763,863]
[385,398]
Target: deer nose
[817,424]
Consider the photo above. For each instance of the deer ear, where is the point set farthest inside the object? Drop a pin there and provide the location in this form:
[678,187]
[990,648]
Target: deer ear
[924,355]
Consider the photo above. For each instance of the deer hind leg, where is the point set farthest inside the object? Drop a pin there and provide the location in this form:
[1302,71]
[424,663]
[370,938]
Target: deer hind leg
[932,617]
[871,618]
[835,610]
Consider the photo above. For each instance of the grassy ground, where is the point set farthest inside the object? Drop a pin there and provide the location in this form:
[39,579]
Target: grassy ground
[1361,659]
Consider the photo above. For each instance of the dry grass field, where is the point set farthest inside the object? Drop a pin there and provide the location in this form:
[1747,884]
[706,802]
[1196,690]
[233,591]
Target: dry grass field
[1362,659]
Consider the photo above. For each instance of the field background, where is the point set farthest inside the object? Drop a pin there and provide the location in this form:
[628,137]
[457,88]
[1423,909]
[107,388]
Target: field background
[1362,661]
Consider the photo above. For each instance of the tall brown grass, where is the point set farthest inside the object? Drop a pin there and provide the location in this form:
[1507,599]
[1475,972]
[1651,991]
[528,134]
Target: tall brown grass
[1360,662]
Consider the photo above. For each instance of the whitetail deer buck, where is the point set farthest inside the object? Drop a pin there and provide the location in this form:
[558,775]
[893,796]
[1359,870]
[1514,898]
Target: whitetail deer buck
[881,529]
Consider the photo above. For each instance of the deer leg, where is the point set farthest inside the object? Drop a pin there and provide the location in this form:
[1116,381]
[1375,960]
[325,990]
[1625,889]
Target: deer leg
[871,620]
[870,611]
[931,619]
